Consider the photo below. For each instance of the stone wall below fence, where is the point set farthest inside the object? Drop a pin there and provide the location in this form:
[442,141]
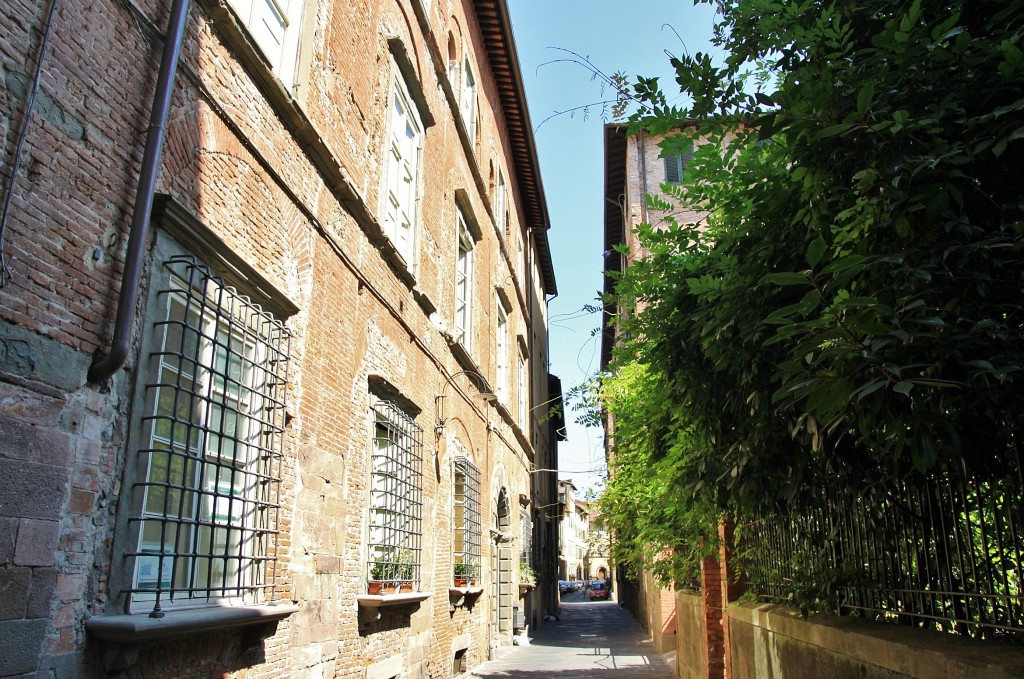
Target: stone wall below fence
[773,642]
[691,636]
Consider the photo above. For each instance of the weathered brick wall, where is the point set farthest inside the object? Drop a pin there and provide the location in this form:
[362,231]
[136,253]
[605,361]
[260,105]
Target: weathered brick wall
[232,160]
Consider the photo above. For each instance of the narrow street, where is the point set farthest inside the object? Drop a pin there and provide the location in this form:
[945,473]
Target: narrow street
[597,639]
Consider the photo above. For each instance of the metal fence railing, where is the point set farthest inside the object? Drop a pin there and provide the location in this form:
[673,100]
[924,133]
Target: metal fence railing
[942,553]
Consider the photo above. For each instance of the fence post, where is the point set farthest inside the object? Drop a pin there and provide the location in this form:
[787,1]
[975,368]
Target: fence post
[711,600]
[732,585]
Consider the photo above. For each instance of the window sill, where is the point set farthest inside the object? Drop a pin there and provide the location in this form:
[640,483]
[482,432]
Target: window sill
[130,629]
[370,604]
[463,596]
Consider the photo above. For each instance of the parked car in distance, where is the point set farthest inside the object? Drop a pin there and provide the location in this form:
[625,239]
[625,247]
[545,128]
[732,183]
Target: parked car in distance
[599,590]
[564,586]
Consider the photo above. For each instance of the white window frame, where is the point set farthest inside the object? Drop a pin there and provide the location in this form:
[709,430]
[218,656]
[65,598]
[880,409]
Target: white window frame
[523,392]
[463,282]
[501,353]
[500,213]
[467,101]
[275,29]
[402,160]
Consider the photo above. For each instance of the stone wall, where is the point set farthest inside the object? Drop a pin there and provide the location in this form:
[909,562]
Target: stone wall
[772,642]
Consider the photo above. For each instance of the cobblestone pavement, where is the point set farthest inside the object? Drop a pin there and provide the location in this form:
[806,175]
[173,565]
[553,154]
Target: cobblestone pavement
[596,640]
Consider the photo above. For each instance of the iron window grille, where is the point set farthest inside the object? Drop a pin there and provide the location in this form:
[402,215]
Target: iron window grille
[467,534]
[396,503]
[525,537]
[213,446]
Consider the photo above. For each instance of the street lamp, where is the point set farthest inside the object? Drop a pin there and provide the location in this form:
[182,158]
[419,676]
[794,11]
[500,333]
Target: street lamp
[484,395]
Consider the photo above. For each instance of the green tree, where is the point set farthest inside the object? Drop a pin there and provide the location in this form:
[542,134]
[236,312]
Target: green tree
[852,308]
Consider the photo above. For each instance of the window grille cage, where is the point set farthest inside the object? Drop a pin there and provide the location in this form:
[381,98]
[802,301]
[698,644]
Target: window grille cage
[396,499]
[525,537]
[213,442]
[468,533]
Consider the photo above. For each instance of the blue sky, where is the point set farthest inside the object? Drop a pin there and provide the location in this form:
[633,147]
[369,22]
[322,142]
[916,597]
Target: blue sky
[616,37]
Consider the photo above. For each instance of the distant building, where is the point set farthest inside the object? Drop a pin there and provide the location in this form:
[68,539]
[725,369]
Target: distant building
[596,563]
[302,443]
[634,169]
[573,534]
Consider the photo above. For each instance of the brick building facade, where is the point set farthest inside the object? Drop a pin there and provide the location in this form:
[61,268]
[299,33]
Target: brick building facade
[330,370]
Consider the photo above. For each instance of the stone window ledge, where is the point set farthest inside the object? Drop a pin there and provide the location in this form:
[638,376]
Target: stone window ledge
[370,604]
[463,596]
[129,629]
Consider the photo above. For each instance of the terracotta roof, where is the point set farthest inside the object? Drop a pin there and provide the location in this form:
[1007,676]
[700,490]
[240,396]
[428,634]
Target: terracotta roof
[496,28]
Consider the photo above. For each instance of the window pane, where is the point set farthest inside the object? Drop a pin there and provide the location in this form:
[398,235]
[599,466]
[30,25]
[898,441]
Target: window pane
[214,441]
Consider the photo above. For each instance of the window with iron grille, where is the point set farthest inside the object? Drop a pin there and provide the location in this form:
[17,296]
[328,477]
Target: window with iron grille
[211,450]
[525,537]
[396,499]
[466,536]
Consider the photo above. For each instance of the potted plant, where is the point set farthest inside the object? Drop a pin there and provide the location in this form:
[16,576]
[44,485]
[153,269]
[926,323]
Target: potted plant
[393,570]
[527,577]
[463,573]
[381,574]
[405,570]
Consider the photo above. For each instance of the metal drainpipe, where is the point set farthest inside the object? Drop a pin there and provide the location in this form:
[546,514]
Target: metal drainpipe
[642,160]
[105,365]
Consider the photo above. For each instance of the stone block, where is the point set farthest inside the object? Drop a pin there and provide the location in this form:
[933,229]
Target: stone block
[22,641]
[15,438]
[41,593]
[82,501]
[327,563]
[26,405]
[15,584]
[29,355]
[32,491]
[37,543]
[51,447]
[8,535]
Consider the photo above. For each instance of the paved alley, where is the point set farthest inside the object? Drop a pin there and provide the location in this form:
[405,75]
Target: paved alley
[597,639]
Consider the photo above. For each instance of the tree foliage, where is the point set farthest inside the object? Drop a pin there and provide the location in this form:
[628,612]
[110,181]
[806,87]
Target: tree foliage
[852,308]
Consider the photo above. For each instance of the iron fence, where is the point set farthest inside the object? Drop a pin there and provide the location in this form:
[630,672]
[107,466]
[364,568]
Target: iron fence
[943,553]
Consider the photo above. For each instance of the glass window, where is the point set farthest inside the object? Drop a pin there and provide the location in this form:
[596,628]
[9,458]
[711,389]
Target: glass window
[501,353]
[523,393]
[212,444]
[500,214]
[675,167]
[466,534]
[274,27]
[467,103]
[405,139]
[396,502]
[464,285]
